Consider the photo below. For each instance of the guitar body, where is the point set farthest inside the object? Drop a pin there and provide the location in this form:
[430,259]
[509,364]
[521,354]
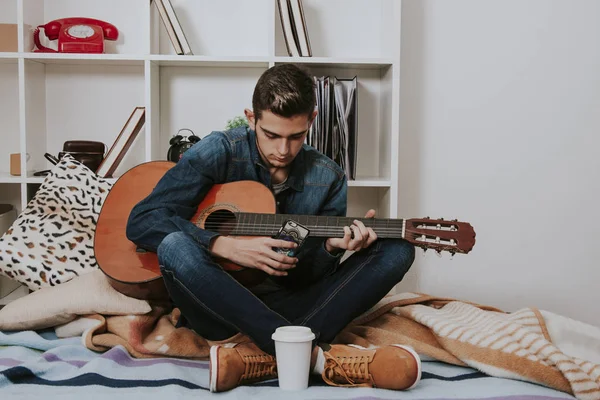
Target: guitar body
[243,209]
[136,273]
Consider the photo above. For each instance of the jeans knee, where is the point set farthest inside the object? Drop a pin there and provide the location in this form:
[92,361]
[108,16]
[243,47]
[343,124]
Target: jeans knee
[398,256]
[171,250]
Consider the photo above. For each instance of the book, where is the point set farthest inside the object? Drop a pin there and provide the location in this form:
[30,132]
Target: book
[299,24]
[168,26]
[173,27]
[122,143]
[288,29]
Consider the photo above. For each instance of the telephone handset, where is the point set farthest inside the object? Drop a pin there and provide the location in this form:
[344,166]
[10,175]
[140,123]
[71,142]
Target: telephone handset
[76,35]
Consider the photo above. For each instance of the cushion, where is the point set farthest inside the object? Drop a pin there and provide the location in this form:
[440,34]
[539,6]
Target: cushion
[90,293]
[52,240]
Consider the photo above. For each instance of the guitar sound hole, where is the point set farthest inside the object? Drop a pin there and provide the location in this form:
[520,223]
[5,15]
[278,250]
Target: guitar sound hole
[222,221]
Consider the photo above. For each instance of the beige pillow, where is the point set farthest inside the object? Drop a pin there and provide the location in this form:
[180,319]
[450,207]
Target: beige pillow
[51,306]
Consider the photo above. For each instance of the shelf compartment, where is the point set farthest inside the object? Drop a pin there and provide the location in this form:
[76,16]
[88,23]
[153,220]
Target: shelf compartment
[202,99]
[361,199]
[131,21]
[336,28]
[218,28]
[374,152]
[10,193]
[9,115]
[80,102]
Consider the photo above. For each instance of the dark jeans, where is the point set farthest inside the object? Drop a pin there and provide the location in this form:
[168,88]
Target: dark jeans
[217,306]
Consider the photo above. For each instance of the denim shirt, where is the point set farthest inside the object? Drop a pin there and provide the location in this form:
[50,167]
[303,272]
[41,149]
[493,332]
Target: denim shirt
[316,185]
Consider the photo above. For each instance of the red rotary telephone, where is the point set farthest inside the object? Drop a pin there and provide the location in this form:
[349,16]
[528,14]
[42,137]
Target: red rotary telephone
[76,35]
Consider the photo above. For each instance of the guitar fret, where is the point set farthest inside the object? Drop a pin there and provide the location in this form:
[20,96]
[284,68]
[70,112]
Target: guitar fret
[239,223]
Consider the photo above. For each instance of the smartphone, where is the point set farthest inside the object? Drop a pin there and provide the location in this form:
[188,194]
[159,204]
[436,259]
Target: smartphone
[291,231]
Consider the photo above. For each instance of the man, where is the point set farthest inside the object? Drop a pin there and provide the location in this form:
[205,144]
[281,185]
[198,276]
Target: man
[313,288]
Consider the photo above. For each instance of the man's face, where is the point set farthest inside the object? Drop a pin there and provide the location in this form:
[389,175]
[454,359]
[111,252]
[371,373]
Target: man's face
[279,139]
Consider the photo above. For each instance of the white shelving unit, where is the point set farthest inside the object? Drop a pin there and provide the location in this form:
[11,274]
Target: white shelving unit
[48,98]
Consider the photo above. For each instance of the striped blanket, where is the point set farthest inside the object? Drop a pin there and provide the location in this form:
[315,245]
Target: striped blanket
[529,345]
[37,364]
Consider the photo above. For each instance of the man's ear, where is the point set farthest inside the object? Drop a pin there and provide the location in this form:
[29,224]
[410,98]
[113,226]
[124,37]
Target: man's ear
[312,118]
[250,117]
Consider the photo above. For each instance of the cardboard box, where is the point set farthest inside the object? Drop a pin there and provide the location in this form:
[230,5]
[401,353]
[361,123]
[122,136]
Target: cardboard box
[15,164]
[9,38]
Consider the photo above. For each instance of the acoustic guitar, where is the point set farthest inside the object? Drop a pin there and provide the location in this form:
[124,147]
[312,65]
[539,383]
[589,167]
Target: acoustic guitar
[243,209]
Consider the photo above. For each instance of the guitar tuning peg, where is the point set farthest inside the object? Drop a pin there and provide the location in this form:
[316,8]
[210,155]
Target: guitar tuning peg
[441,219]
[439,253]
[455,220]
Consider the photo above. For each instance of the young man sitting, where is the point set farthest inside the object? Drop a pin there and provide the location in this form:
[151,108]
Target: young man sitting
[313,288]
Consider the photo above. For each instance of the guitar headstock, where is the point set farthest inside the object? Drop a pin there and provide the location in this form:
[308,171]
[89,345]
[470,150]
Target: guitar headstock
[441,235]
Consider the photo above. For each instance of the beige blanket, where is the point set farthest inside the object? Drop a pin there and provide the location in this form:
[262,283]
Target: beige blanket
[530,344]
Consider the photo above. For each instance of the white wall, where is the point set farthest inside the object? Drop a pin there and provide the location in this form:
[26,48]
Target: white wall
[501,128]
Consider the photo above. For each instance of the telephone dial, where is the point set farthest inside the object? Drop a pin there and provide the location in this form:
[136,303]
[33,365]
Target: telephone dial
[180,144]
[76,35]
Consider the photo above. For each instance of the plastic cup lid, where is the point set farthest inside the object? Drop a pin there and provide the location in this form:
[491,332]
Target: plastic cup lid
[293,334]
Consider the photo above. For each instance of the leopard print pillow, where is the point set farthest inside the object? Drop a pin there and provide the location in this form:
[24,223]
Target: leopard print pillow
[52,240]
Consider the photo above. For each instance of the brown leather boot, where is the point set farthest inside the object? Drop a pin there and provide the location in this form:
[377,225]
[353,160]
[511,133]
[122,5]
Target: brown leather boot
[394,367]
[239,364]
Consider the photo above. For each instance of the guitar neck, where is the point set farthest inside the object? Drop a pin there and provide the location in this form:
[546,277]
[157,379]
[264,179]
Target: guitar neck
[257,224]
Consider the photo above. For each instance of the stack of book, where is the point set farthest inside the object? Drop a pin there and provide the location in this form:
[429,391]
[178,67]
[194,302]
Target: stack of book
[335,129]
[173,27]
[293,23]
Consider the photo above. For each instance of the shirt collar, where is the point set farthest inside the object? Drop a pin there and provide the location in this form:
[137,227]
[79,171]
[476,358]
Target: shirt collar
[295,178]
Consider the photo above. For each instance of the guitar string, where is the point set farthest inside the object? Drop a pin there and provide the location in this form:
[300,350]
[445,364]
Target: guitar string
[266,228]
[320,230]
[284,217]
[382,226]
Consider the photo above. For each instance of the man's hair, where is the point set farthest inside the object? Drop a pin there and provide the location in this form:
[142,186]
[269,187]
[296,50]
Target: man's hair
[286,90]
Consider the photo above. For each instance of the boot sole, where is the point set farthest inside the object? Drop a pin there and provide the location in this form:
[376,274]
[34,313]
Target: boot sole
[417,360]
[214,367]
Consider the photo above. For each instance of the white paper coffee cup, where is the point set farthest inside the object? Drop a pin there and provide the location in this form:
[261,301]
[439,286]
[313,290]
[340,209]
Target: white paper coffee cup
[293,347]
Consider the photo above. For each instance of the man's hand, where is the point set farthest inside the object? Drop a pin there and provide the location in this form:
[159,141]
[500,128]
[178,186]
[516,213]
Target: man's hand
[363,237]
[255,253]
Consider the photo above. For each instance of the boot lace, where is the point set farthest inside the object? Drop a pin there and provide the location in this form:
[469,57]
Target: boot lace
[259,366]
[347,371]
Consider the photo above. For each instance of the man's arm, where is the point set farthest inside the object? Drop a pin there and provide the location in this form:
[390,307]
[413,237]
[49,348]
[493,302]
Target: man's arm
[176,196]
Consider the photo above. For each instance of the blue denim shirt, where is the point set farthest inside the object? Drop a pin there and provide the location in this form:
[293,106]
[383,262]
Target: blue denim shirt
[316,185]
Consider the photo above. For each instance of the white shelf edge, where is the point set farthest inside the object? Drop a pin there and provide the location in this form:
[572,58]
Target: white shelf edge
[375,63]
[6,177]
[217,61]
[192,60]
[73,58]
[370,182]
